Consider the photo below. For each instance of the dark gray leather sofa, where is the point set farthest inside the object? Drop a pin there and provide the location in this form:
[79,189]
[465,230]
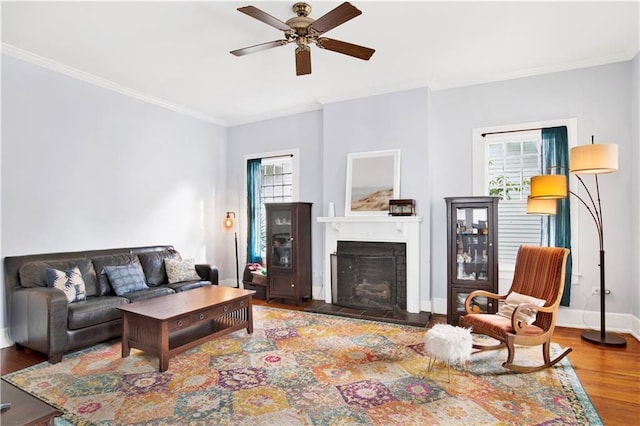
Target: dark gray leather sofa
[40,318]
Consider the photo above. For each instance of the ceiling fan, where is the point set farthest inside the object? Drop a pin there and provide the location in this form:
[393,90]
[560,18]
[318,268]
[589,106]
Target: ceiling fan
[305,31]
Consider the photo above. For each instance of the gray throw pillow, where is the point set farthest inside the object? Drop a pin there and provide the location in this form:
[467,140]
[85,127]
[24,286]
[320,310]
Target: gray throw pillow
[126,278]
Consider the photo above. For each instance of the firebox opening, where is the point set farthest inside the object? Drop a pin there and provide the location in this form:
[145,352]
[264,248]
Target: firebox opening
[366,282]
[369,275]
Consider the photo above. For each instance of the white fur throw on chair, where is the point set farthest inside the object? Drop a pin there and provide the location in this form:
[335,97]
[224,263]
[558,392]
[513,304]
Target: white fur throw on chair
[448,343]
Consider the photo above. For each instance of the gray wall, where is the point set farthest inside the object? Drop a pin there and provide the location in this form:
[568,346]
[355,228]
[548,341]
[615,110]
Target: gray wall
[433,130]
[392,121]
[325,138]
[87,168]
[299,131]
[600,98]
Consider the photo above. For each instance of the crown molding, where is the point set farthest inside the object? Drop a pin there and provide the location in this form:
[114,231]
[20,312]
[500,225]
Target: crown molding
[52,65]
[374,92]
[434,84]
[300,109]
[444,83]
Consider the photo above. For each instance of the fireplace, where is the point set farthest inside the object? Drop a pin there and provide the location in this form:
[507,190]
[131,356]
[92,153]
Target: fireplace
[386,229]
[381,262]
[369,275]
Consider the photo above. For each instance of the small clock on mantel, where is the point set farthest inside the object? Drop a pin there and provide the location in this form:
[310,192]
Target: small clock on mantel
[402,207]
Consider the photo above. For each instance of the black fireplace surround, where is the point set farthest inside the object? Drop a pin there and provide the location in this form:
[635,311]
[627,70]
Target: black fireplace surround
[370,275]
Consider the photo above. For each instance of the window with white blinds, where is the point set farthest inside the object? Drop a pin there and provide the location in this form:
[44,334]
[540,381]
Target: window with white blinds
[512,159]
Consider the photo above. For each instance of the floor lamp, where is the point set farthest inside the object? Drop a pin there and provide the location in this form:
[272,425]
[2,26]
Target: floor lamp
[229,222]
[586,159]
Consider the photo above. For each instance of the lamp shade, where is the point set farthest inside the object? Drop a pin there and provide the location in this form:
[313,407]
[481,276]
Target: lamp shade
[594,158]
[541,205]
[549,187]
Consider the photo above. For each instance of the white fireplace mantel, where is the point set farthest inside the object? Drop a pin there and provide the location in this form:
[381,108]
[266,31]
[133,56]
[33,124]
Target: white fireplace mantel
[395,229]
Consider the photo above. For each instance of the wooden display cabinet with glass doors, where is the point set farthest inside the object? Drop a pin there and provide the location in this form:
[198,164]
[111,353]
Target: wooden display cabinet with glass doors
[289,250]
[472,253]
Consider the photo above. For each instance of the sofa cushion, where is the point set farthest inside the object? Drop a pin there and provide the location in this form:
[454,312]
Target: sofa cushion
[181,270]
[94,310]
[153,265]
[188,285]
[100,262]
[149,293]
[126,278]
[34,274]
[69,281]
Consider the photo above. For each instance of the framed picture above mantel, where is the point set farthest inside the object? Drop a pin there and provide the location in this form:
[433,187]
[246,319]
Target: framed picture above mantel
[373,178]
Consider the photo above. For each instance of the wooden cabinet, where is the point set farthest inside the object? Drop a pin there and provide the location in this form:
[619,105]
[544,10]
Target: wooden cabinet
[472,253]
[289,250]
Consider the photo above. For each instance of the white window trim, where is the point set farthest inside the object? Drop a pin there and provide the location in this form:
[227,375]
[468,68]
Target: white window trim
[479,156]
[295,166]
[295,179]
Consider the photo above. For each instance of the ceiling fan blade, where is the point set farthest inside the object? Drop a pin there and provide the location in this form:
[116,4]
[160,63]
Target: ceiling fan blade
[258,47]
[254,12]
[345,48]
[303,61]
[335,17]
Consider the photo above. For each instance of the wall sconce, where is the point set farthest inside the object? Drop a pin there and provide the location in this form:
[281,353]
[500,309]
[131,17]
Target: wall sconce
[229,222]
[586,159]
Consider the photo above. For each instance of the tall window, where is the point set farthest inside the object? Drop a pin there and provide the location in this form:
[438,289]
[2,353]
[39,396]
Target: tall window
[504,160]
[277,187]
[277,179]
[270,179]
[512,159]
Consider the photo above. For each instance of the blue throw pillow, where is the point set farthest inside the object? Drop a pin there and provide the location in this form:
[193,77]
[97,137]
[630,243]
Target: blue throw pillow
[126,278]
[70,281]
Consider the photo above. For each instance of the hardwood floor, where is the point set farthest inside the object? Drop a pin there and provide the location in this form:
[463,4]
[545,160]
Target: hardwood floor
[610,376]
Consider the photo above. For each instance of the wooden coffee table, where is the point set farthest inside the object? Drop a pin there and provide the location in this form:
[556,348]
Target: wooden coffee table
[25,409]
[167,325]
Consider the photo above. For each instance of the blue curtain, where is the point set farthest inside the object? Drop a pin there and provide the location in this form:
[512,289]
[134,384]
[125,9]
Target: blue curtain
[254,233]
[555,160]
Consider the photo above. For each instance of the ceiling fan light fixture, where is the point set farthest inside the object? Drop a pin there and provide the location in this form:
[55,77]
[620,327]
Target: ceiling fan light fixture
[304,31]
[301,9]
[300,24]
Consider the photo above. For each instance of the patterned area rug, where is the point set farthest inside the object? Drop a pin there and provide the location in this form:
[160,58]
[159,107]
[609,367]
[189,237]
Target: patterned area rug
[310,369]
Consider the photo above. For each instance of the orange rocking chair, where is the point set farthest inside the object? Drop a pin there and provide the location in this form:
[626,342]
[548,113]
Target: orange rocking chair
[528,315]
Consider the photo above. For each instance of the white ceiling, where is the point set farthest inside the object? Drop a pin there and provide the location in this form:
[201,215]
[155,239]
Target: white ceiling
[177,53]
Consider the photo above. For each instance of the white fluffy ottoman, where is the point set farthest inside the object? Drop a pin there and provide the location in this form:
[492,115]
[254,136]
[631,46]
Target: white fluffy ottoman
[449,344]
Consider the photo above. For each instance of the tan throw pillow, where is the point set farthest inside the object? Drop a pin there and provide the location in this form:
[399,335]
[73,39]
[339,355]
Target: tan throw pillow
[513,300]
[181,270]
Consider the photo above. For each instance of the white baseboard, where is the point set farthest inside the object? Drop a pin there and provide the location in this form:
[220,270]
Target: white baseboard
[438,306]
[620,323]
[635,327]
[573,318]
[5,341]
[425,306]
[229,283]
